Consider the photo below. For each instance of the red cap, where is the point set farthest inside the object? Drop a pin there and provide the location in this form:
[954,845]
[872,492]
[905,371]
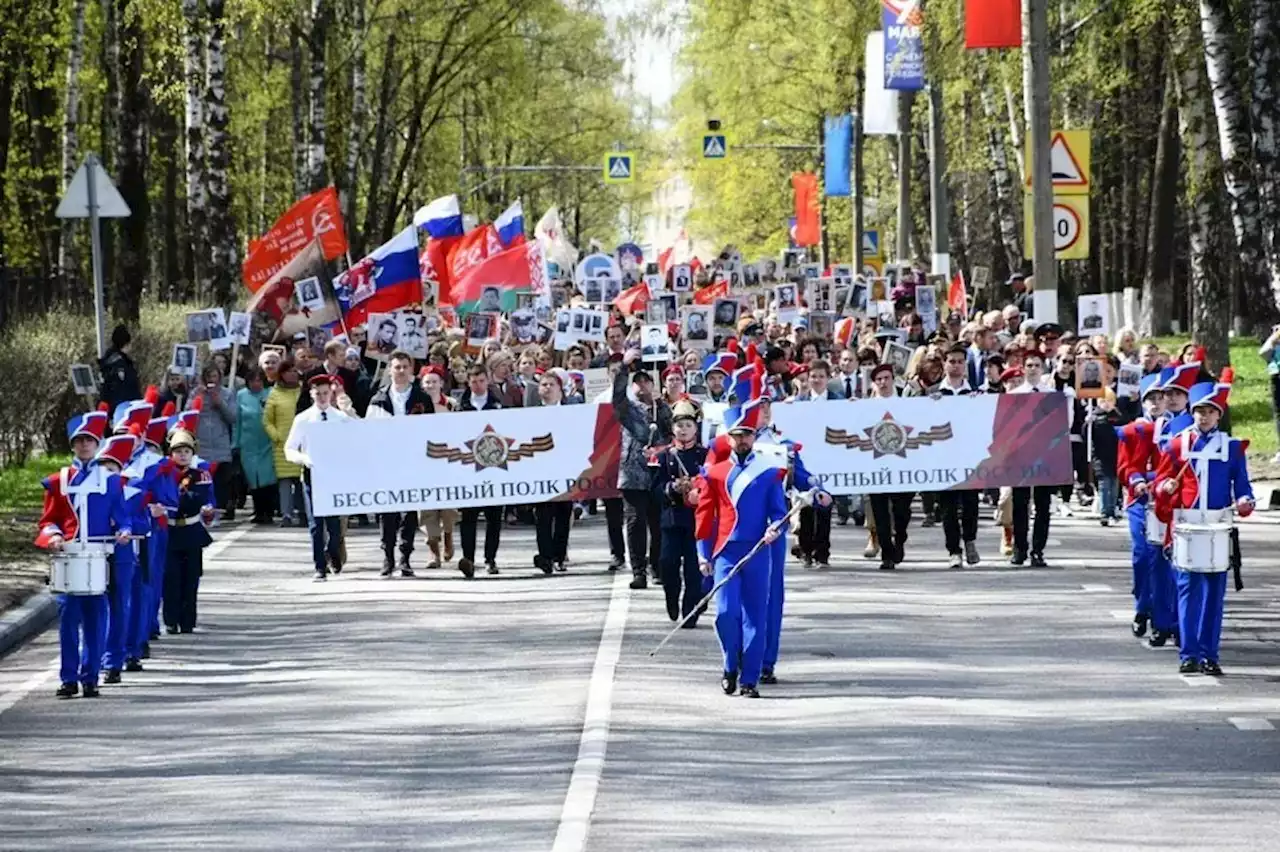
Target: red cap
[673,370]
[1012,373]
[429,369]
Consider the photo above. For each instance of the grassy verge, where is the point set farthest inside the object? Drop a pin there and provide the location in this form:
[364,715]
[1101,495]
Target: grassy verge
[22,571]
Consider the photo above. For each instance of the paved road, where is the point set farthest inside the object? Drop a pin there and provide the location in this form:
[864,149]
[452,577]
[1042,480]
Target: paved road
[986,709]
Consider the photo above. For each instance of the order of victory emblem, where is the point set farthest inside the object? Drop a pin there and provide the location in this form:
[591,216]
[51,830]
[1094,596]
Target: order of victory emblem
[490,449]
[888,437]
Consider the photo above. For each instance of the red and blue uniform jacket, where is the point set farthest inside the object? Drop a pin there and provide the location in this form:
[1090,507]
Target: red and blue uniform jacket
[106,513]
[738,502]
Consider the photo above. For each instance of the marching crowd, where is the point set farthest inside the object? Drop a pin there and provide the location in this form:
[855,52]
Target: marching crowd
[668,523]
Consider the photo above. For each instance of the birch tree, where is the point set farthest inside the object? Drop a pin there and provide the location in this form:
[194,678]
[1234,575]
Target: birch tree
[131,164]
[1264,110]
[223,266]
[1006,201]
[194,80]
[1237,168]
[359,110]
[316,117]
[70,130]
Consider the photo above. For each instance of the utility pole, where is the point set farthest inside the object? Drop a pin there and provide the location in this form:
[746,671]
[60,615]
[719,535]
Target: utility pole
[857,177]
[822,196]
[905,101]
[1035,82]
[939,197]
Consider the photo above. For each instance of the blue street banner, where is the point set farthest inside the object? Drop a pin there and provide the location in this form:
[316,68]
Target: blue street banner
[836,156]
[903,45]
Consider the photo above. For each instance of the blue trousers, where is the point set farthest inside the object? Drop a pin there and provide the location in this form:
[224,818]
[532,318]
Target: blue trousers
[1164,591]
[120,596]
[157,548]
[81,657]
[322,529]
[773,618]
[1201,598]
[740,610]
[139,594]
[1142,556]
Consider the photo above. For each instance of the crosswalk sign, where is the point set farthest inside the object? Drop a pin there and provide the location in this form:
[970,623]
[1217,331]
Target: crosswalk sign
[870,244]
[618,167]
[715,146]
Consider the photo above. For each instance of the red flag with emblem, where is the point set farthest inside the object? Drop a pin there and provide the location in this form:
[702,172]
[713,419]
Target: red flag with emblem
[633,300]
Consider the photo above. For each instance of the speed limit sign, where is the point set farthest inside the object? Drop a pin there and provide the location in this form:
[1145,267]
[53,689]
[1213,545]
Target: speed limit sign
[1070,226]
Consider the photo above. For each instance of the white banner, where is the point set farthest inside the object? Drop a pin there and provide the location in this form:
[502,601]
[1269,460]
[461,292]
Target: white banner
[456,460]
[921,444]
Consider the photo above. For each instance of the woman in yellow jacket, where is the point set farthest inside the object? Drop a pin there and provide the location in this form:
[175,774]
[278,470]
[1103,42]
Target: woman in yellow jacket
[277,418]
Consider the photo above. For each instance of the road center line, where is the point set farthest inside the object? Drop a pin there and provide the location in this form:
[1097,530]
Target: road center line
[39,679]
[1251,723]
[580,799]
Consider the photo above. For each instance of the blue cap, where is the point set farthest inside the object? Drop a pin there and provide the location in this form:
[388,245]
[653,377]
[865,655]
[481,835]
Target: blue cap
[1149,384]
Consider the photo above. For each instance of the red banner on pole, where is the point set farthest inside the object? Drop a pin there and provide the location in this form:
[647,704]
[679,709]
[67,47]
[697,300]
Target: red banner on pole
[992,24]
[808,228]
[317,215]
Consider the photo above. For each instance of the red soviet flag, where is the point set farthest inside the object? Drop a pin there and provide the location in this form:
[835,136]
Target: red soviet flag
[808,229]
[992,23]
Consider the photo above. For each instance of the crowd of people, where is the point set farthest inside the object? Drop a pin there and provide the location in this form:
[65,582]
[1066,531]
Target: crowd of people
[250,430]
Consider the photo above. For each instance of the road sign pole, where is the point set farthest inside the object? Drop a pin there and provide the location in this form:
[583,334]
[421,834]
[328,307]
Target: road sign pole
[1035,71]
[95,245]
[822,196]
[857,178]
[905,100]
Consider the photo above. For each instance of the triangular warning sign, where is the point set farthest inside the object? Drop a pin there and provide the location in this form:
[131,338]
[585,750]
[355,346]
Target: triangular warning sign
[75,202]
[714,148]
[1066,168]
[620,167]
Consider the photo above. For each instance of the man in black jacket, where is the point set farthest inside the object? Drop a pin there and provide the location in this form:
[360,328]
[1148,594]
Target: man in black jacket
[673,479]
[401,397]
[478,398]
[119,375]
[335,353]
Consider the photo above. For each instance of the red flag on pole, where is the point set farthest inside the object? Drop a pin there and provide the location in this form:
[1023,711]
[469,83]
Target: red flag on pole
[633,300]
[957,296]
[707,295]
[808,228]
[992,23]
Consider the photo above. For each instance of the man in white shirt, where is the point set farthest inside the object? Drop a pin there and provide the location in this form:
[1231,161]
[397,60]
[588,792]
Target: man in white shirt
[1040,495]
[959,508]
[402,396]
[326,533]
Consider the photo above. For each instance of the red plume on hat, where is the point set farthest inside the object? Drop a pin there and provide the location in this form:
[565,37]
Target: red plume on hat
[152,395]
[135,430]
[104,406]
[1227,376]
[169,409]
[197,404]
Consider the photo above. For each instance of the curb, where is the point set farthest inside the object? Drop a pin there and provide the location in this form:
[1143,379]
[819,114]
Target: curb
[26,620]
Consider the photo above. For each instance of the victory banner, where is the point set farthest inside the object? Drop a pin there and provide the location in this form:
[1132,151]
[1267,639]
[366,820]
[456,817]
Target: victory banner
[463,459]
[875,446]
[903,45]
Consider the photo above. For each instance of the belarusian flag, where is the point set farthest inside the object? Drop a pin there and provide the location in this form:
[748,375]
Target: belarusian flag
[491,285]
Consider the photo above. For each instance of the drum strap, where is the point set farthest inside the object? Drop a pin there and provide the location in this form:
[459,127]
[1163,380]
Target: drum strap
[1215,448]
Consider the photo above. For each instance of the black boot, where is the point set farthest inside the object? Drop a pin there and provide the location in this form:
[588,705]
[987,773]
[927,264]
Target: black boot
[132,666]
[1210,668]
[1139,626]
[1158,638]
[639,577]
[405,570]
[616,562]
[388,565]
[1188,667]
[90,690]
[729,683]
[749,690]
[543,564]
[1037,561]
[68,690]
[113,676]
[767,676]
[467,567]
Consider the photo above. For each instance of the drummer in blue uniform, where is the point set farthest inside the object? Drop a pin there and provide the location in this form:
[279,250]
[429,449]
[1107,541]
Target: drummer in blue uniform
[122,650]
[187,518]
[1138,459]
[162,493]
[86,488]
[1203,476]
[741,498]
[675,471]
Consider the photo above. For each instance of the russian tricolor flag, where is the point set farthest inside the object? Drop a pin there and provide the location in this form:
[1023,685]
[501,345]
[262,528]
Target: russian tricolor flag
[510,225]
[387,280]
[441,218]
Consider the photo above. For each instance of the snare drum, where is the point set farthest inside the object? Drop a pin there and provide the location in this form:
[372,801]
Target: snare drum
[1202,541]
[81,569]
[1156,529]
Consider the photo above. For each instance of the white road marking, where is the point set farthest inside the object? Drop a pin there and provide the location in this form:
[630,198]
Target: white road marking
[580,799]
[1122,615]
[1251,723]
[1096,587]
[1199,680]
[39,679]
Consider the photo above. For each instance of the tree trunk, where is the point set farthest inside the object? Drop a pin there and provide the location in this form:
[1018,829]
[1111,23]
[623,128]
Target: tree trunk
[1015,130]
[1156,309]
[167,137]
[298,90]
[131,163]
[359,109]
[1007,203]
[1210,290]
[383,144]
[223,261]
[1233,140]
[110,125]
[316,117]
[197,202]
[70,132]
[1264,110]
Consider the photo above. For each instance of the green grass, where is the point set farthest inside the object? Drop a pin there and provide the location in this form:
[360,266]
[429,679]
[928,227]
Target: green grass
[21,498]
[1251,415]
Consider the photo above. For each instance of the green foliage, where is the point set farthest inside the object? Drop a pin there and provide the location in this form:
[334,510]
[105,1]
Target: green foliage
[20,488]
[36,397]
